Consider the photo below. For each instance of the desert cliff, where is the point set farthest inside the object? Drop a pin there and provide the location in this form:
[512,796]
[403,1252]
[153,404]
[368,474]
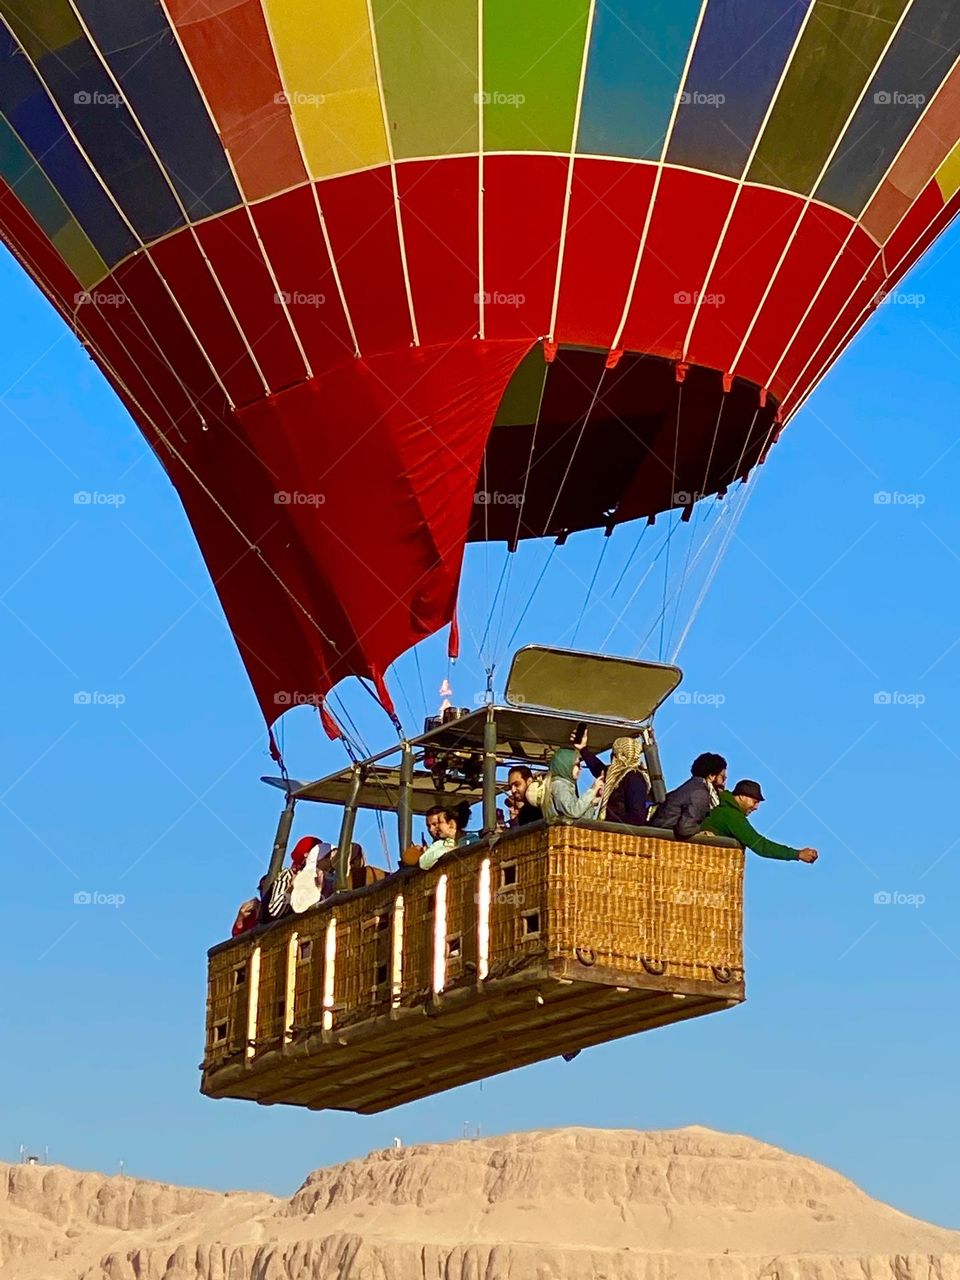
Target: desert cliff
[569,1204]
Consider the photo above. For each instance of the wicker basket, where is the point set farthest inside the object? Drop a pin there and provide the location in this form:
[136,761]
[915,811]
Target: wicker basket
[548,939]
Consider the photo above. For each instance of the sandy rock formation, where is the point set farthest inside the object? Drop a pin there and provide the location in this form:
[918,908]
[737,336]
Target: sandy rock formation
[569,1204]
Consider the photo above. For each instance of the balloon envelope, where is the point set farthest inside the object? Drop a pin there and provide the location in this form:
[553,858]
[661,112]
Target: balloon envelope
[375,279]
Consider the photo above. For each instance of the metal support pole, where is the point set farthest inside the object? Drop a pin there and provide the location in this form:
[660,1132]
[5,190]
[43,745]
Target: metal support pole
[405,805]
[489,774]
[346,831]
[281,840]
[651,753]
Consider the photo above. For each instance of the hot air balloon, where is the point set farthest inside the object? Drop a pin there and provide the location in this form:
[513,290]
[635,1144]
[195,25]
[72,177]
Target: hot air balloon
[358,269]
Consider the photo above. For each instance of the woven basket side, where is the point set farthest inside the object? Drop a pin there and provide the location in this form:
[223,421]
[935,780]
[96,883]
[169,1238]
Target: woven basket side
[638,904]
[271,998]
[519,907]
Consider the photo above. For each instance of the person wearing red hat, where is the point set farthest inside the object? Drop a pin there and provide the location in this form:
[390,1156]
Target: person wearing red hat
[278,899]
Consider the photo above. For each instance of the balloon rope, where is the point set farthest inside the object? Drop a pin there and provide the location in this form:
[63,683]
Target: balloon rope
[536,588]
[533,445]
[698,502]
[583,427]
[492,610]
[666,567]
[630,557]
[423,692]
[633,595]
[593,583]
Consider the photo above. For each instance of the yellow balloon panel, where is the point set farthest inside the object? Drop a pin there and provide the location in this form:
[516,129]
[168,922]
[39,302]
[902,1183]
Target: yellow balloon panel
[326,57]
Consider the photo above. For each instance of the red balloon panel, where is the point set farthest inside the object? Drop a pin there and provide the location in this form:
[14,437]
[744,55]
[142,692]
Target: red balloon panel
[607,207]
[440,231]
[687,221]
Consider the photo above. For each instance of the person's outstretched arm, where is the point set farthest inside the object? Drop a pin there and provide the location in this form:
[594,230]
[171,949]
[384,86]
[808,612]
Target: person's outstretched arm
[749,836]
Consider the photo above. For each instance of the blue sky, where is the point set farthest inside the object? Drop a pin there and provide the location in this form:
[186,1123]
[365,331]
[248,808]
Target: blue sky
[847,1047]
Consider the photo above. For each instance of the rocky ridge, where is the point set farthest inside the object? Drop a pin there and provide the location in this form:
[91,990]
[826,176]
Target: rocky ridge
[568,1204]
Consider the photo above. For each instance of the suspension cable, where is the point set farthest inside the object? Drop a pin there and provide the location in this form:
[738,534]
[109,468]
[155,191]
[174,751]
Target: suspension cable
[536,587]
[593,582]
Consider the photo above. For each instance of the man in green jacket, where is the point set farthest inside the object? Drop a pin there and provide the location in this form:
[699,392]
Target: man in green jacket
[730,818]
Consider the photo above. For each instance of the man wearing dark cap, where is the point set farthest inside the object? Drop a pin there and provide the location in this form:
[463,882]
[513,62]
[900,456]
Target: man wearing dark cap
[731,818]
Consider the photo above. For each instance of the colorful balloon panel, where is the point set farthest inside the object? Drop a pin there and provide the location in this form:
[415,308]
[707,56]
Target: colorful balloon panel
[348,262]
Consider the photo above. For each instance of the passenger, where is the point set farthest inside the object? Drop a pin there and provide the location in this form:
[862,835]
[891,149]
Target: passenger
[684,809]
[524,796]
[452,835]
[276,898]
[626,788]
[432,818]
[361,873]
[730,818]
[248,917]
[308,880]
[560,798]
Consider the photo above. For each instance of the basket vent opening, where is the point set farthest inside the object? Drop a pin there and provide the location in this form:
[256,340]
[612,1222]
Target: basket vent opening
[508,874]
[240,975]
[305,949]
[531,922]
[455,947]
[220,1032]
